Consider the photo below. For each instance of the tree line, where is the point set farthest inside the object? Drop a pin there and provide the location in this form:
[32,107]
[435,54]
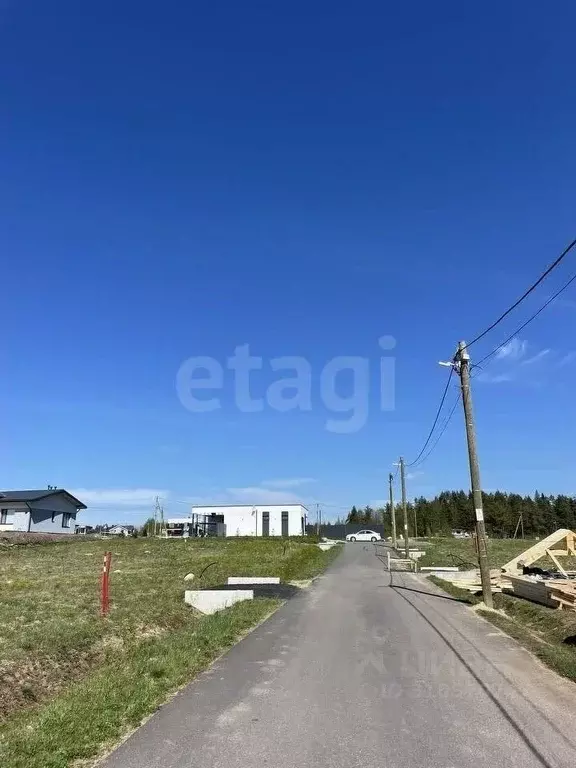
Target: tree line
[506,514]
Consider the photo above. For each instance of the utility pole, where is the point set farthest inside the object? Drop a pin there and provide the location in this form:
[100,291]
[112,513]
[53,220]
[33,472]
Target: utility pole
[317,519]
[392,510]
[404,509]
[462,365]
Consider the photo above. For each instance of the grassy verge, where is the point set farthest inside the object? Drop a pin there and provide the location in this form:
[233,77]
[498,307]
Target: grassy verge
[462,594]
[96,712]
[70,680]
[549,634]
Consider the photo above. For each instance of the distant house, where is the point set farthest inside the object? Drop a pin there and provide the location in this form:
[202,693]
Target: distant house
[120,530]
[46,511]
[84,530]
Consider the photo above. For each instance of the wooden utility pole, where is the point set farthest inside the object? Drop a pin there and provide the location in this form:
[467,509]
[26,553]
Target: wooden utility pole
[404,508]
[462,365]
[392,510]
[317,519]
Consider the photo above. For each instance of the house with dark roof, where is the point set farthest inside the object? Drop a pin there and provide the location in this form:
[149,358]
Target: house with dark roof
[47,511]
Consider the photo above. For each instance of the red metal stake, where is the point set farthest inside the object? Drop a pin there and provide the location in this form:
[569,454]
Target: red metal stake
[104,584]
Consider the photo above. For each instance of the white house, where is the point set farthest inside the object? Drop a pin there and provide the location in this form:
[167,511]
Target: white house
[259,519]
[46,511]
[120,530]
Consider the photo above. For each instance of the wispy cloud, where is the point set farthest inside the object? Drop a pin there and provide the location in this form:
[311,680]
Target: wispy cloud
[498,378]
[510,359]
[514,350]
[288,482]
[118,497]
[249,494]
[414,475]
[536,357]
[260,495]
[567,359]
[117,505]
[564,302]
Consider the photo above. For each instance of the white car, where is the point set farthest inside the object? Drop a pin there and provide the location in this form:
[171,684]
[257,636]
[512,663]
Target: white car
[364,536]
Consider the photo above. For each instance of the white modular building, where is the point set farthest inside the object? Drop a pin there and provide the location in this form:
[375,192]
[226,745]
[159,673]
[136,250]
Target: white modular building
[259,519]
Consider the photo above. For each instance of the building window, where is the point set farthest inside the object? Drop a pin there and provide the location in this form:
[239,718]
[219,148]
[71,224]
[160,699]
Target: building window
[66,516]
[4,516]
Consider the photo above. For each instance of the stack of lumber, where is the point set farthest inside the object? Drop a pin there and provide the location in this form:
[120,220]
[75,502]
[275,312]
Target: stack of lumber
[470,580]
[532,589]
[555,593]
[564,593]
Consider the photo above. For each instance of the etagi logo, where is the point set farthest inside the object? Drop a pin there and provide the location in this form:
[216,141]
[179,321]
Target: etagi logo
[292,390]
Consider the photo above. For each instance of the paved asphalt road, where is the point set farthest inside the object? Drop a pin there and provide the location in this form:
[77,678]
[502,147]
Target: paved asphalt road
[359,672]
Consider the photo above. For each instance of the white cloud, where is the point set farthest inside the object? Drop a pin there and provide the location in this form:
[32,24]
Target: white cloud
[117,505]
[288,482]
[536,357]
[568,358]
[118,497]
[261,495]
[255,494]
[514,350]
[563,302]
[498,378]
[414,475]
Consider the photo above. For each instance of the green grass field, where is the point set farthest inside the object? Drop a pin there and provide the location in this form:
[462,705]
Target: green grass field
[461,553]
[62,666]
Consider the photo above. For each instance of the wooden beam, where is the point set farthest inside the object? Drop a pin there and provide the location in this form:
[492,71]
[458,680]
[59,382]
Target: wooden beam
[557,563]
[534,553]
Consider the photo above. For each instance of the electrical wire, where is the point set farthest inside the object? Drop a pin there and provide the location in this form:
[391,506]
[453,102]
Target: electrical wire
[411,464]
[445,425]
[525,294]
[532,317]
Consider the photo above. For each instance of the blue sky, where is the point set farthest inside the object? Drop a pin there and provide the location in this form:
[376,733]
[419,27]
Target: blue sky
[180,179]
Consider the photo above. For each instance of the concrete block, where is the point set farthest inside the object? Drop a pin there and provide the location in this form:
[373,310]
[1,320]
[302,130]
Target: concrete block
[253,580]
[212,600]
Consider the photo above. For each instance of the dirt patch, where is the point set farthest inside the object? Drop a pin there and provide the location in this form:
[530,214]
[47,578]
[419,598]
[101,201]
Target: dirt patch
[28,682]
[19,538]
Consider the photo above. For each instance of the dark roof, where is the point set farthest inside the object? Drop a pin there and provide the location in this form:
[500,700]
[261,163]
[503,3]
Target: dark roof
[6,496]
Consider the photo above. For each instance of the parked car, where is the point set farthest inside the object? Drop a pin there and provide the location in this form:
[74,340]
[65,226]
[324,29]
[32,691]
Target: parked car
[364,536]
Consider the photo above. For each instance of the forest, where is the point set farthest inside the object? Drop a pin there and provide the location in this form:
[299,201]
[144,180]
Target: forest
[506,514]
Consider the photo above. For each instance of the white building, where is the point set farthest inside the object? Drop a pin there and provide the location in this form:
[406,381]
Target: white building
[260,519]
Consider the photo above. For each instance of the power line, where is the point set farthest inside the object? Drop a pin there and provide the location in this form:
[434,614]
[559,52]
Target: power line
[444,427]
[532,317]
[435,420]
[524,295]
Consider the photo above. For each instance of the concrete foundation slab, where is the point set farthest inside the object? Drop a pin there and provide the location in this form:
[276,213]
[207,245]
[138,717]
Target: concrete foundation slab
[253,580]
[211,600]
